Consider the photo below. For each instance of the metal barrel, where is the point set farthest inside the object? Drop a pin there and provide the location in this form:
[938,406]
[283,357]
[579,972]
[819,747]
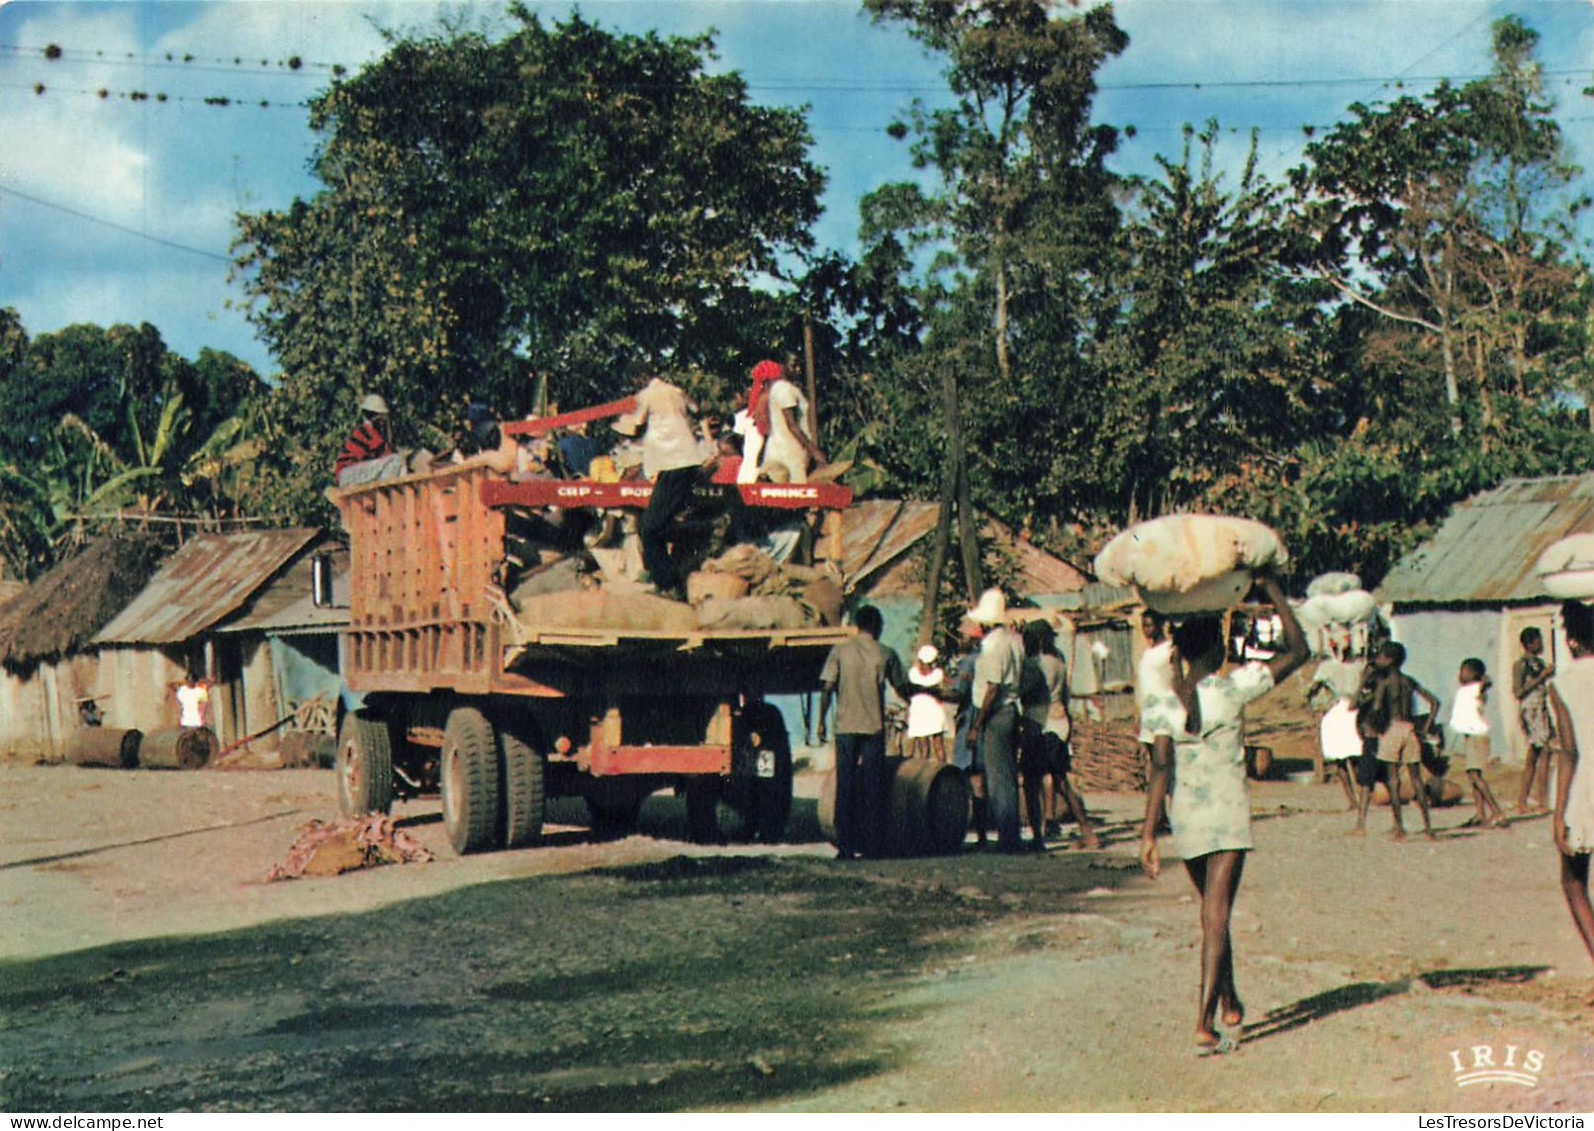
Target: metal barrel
[928,811]
[178,748]
[105,746]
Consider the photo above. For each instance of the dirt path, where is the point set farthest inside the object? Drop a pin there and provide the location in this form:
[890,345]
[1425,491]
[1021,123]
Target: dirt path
[143,966]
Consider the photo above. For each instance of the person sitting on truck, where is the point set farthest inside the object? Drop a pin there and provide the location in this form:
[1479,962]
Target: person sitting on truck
[368,453]
[672,459]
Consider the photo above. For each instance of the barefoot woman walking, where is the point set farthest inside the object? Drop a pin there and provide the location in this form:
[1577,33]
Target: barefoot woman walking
[1200,744]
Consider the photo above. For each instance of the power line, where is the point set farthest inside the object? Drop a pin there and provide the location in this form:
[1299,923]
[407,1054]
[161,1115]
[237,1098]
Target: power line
[293,67]
[161,240]
[290,67]
[105,94]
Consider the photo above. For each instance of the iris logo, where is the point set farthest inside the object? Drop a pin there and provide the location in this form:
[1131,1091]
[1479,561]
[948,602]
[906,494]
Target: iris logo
[1484,1064]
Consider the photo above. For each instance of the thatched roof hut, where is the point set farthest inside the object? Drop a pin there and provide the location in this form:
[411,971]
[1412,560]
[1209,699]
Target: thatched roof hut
[59,613]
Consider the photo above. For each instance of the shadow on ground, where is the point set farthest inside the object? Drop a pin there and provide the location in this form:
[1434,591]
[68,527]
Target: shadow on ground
[687,983]
[1353,996]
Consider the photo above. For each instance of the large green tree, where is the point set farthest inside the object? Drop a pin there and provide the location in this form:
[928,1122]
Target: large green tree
[1017,223]
[1451,217]
[506,214]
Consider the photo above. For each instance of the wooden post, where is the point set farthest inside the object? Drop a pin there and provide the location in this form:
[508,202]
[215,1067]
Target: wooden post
[968,541]
[808,361]
[943,526]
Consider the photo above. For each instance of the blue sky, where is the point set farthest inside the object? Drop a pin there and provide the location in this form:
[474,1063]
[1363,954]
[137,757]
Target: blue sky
[121,210]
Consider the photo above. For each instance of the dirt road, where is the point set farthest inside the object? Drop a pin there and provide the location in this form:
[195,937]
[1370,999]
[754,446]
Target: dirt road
[144,966]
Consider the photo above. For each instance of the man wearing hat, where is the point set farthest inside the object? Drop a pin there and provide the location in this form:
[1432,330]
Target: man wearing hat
[997,671]
[368,453]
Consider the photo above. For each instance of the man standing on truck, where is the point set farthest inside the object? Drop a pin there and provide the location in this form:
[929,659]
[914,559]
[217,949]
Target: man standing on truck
[856,672]
[673,460]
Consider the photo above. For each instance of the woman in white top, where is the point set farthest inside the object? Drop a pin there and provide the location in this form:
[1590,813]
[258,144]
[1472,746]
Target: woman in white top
[926,713]
[1200,745]
[1572,701]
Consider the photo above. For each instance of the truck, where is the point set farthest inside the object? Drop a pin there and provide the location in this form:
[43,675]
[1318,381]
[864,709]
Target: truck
[463,696]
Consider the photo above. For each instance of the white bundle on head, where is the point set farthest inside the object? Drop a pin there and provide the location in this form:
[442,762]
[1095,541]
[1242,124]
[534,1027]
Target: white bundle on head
[1566,568]
[1350,607]
[1189,563]
[1333,584]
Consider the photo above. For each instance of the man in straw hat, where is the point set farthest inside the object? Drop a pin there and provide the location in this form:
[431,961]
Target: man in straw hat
[997,672]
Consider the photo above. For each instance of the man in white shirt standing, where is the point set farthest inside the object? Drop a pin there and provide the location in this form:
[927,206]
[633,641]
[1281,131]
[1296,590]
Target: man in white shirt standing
[193,700]
[673,459]
[789,448]
[997,671]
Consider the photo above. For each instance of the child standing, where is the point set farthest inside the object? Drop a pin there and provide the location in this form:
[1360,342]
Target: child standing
[1530,682]
[926,712]
[1469,741]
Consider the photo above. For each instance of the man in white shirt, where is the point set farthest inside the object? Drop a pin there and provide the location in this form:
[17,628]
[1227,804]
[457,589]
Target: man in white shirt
[995,700]
[193,699]
[789,448]
[673,459]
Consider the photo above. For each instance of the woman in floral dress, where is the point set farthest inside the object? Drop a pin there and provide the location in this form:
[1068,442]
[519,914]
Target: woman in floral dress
[1572,701]
[1200,745]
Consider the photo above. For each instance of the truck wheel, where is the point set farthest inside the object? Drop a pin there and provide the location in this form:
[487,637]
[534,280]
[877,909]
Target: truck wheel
[523,790]
[469,780]
[364,765]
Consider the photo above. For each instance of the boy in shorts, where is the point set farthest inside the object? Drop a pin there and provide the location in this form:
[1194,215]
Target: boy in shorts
[1468,736]
[1384,711]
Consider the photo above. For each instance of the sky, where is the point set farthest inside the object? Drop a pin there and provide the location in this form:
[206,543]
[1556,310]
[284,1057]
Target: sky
[120,208]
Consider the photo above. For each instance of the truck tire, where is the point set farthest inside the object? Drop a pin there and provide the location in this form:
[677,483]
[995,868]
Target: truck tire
[364,765]
[523,789]
[469,780]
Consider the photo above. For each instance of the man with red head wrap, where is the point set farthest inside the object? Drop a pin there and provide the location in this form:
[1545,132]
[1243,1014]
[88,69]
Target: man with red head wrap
[752,423]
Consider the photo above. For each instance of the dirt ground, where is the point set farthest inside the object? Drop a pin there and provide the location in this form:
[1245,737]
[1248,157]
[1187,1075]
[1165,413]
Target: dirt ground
[145,966]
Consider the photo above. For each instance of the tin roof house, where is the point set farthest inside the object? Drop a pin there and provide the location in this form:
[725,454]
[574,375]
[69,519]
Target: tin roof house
[1469,590]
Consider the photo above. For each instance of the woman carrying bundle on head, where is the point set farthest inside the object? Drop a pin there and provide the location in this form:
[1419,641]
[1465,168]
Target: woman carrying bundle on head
[1199,745]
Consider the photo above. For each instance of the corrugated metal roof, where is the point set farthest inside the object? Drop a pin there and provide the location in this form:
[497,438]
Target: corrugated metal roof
[287,605]
[205,582]
[876,532]
[1485,550]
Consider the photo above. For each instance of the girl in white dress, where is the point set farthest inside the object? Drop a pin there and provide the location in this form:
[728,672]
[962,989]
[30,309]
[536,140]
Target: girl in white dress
[926,712]
[1572,701]
[1199,742]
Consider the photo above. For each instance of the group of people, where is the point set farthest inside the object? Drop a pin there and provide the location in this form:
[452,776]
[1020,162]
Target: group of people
[1006,704]
[1192,725]
[662,442]
[1382,721]
[771,425]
